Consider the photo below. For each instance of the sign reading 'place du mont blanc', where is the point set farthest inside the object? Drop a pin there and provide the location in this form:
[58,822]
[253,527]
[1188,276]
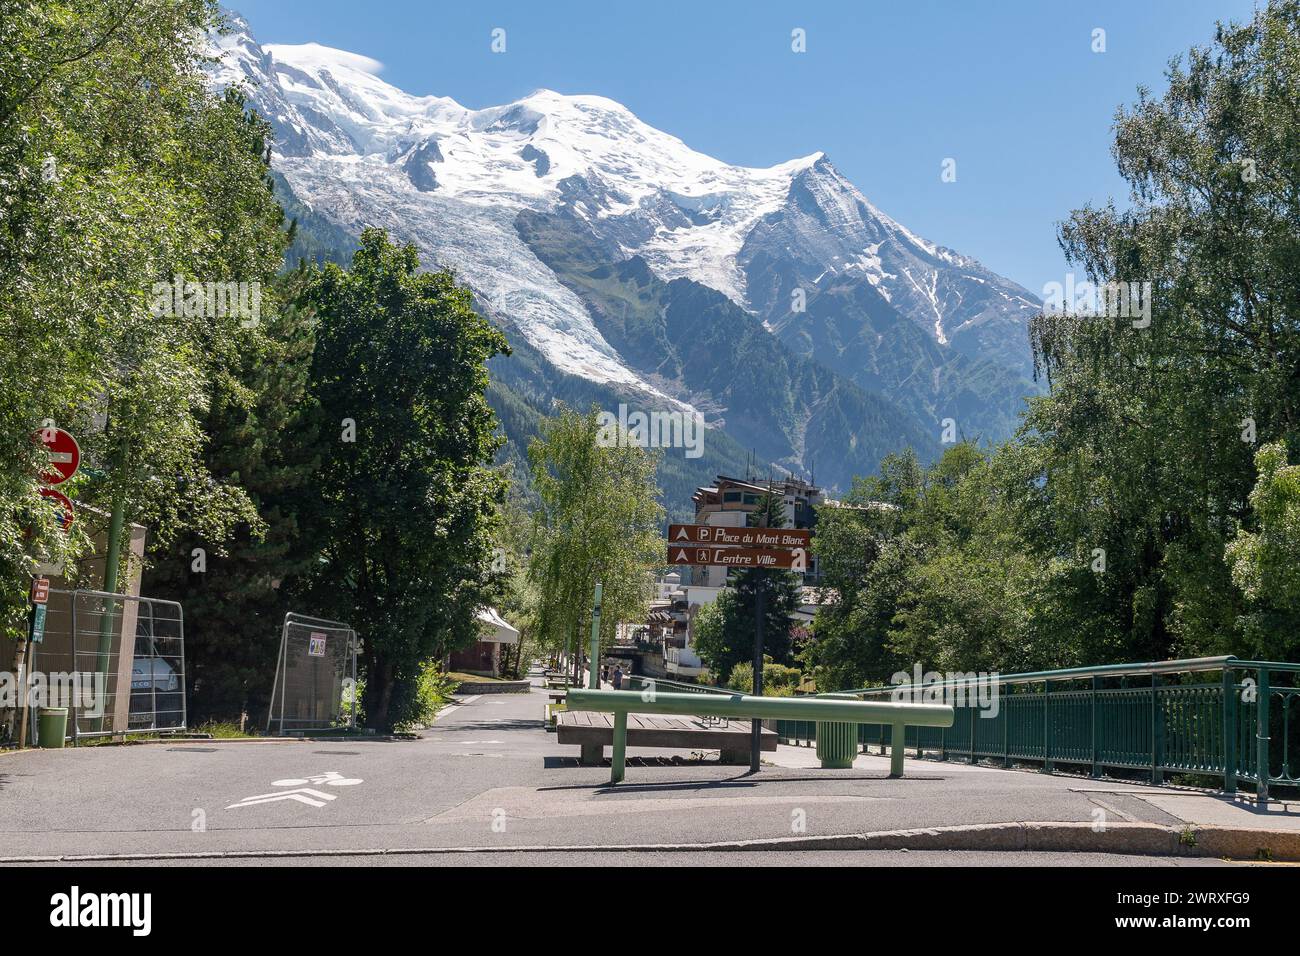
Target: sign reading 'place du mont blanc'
[738,537]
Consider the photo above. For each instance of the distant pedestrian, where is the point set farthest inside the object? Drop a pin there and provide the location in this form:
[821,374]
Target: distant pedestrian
[618,677]
[604,673]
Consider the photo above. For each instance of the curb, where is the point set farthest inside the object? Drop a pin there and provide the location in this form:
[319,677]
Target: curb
[1144,839]
[227,741]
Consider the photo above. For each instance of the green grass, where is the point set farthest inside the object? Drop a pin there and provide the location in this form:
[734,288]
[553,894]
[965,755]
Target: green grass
[85,741]
[224,730]
[462,676]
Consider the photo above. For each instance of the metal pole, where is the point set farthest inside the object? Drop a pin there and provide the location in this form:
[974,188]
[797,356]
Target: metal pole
[756,725]
[593,673]
[73,714]
[284,670]
[1229,731]
[352,722]
[897,745]
[760,607]
[1096,765]
[1261,735]
[185,706]
[112,558]
[618,760]
[568,657]
[1157,732]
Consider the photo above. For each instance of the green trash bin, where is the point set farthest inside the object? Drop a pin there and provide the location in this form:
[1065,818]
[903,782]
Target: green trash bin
[51,726]
[837,744]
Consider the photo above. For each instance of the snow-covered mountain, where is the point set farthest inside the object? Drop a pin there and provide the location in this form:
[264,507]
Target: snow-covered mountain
[775,242]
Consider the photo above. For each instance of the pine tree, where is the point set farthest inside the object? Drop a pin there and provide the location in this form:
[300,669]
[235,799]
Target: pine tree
[781,597]
[235,594]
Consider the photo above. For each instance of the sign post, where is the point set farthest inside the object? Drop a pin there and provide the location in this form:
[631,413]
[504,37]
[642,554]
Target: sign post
[759,548]
[756,725]
[593,670]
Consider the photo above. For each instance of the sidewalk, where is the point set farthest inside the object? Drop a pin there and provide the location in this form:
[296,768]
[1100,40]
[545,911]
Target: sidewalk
[1188,806]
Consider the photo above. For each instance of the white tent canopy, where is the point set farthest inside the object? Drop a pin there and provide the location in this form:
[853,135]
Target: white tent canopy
[494,629]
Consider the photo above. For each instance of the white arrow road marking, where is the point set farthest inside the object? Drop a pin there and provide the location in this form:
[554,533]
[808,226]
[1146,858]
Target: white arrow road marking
[287,795]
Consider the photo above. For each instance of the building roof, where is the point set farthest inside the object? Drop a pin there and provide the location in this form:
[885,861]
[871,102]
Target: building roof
[494,628]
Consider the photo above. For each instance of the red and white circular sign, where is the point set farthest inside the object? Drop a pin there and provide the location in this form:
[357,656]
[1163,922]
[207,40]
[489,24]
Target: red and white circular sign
[65,513]
[65,455]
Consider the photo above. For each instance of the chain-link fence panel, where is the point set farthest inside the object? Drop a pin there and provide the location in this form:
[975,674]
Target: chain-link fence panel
[110,685]
[315,679]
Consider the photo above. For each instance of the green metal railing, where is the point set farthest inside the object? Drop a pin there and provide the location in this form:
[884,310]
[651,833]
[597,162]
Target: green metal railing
[638,682]
[828,711]
[1217,716]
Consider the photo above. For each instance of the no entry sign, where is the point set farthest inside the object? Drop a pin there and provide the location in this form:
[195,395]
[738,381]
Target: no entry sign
[65,455]
[793,559]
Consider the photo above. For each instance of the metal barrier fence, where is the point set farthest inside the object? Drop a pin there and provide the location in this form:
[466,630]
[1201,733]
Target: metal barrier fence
[641,682]
[83,663]
[1220,717]
[316,676]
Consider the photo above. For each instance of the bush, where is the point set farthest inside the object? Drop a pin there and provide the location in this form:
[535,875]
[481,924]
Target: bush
[433,689]
[778,680]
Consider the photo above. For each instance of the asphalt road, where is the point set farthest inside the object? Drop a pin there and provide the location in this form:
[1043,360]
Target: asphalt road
[489,775]
[748,858]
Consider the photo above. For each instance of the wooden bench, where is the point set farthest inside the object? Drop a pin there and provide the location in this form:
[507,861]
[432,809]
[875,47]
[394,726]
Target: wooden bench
[594,731]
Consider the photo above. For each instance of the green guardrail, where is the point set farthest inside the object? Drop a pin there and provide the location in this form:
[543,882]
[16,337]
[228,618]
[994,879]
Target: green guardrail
[640,682]
[825,711]
[1218,716]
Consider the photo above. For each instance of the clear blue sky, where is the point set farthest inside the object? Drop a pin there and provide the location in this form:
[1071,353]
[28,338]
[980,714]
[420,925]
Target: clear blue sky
[1010,89]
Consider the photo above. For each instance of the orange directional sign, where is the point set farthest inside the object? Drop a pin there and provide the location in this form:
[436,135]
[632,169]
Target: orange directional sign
[685,534]
[794,559]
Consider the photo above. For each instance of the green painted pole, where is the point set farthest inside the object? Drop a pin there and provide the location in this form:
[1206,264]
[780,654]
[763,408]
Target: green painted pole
[897,749]
[1157,732]
[112,559]
[1229,731]
[619,761]
[1261,736]
[1096,764]
[1047,726]
[593,672]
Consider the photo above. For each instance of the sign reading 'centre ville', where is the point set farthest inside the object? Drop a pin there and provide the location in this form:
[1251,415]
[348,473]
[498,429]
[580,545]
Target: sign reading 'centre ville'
[738,537]
[795,559]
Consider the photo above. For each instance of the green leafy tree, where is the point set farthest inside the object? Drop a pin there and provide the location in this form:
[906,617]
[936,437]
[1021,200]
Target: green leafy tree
[599,520]
[1266,562]
[1147,433]
[709,636]
[408,504]
[261,435]
[119,171]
